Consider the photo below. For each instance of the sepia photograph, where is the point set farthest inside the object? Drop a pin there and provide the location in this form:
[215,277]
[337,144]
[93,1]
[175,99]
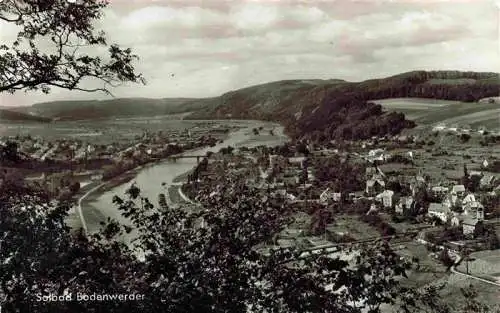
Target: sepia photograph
[250,156]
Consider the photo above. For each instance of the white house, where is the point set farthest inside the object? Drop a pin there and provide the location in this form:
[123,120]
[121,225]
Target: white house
[405,203]
[329,195]
[451,201]
[487,180]
[439,127]
[439,190]
[475,173]
[458,190]
[373,209]
[455,221]
[485,163]
[439,210]
[377,155]
[291,197]
[96,177]
[386,197]
[469,225]
[375,152]
[474,210]
[297,161]
[468,199]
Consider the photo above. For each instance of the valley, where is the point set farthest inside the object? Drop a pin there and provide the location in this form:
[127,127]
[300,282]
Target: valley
[343,165]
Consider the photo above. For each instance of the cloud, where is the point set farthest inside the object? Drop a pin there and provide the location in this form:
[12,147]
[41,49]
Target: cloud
[364,35]
[254,16]
[166,17]
[213,46]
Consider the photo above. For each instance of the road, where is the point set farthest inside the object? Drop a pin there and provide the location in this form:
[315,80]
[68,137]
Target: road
[79,206]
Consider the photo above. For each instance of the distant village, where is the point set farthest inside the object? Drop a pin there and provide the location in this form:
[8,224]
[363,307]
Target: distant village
[450,215]
[64,166]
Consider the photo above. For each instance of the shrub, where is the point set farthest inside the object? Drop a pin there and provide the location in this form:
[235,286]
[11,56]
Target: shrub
[464,138]
[399,159]
[445,258]
[376,221]
[494,167]
[74,188]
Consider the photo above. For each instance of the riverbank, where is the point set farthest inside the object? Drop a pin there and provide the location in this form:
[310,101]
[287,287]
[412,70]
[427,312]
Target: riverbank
[152,178]
[94,190]
[130,174]
[182,178]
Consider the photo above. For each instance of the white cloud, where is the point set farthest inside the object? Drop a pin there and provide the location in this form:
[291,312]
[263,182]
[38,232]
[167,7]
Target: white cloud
[307,14]
[155,16]
[329,31]
[227,45]
[254,16]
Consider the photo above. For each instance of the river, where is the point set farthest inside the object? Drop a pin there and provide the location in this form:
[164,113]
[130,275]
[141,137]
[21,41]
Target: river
[151,178]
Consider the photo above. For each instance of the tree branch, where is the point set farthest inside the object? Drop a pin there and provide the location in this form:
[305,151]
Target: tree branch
[61,22]
[11,19]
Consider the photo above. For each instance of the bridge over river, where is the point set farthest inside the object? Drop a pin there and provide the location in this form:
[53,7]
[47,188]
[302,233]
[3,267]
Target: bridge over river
[174,158]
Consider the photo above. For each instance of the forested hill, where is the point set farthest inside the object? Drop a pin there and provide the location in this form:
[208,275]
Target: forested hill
[12,116]
[324,110]
[316,109]
[104,109]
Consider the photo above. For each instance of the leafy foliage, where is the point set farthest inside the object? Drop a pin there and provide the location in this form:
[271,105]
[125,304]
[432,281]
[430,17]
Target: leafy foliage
[341,175]
[179,264]
[9,153]
[68,28]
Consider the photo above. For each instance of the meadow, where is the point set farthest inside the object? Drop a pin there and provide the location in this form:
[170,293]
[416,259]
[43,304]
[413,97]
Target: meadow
[431,112]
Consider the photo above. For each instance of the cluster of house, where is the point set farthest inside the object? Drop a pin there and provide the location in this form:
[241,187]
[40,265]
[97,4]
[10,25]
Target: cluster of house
[461,129]
[457,208]
[74,149]
[62,149]
[160,145]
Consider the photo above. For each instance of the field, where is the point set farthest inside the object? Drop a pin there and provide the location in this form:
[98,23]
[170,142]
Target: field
[485,263]
[428,271]
[106,131]
[430,112]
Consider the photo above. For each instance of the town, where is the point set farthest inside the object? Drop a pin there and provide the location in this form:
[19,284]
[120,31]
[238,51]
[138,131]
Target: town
[442,209]
[430,204]
[249,156]
[65,166]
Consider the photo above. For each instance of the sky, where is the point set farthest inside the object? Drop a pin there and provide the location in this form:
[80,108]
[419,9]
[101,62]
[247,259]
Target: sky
[202,48]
